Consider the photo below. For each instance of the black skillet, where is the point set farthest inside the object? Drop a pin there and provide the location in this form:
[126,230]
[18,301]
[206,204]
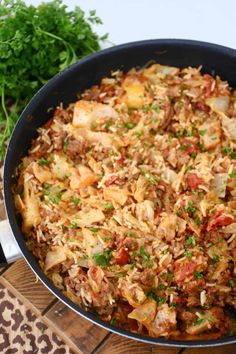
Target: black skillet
[64,88]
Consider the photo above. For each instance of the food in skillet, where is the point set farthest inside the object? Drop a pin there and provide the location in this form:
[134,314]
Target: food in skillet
[128,200]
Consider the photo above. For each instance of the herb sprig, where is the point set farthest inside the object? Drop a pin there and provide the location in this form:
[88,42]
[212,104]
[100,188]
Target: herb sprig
[35,44]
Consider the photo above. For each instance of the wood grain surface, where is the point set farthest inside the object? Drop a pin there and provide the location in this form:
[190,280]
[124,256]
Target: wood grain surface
[26,283]
[84,334]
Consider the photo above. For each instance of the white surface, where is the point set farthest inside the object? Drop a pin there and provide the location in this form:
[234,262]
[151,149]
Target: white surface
[131,20]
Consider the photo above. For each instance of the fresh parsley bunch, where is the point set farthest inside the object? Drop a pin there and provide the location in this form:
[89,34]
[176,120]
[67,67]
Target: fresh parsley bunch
[35,44]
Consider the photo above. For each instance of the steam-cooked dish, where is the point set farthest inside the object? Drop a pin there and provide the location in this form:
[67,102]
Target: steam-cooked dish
[128,200]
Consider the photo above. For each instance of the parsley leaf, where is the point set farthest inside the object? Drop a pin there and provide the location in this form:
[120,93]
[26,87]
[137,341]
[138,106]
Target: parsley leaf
[36,42]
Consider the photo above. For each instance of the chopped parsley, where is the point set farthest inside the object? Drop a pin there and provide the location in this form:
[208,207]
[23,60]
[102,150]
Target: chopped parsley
[130,125]
[74,225]
[190,209]
[216,259]
[151,179]
[94,229]
[113,322]
[102,259]
[138,135]
[190,240]
[233,174]
[194,155]
[43,162]
[229,152]
[197,219]
[76,200]
[202,132]
[108,206]
[188,254]
[197,275]
[156,109]
[231,283]
[152,295]
[201,147]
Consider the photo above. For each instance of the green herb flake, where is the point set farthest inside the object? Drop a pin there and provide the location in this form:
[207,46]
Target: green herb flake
[229,152]
[130,125]
[141,252]
[74,225]
[231,283]
[156,109]
[199,321]
[201,147]
[102,259]
[190,209]
[138,135]
[189,133]
[94,229]
[188,254]
[197,275]
[43,162]
[202,132]
[216,259]
[233,174]
[108,206]
[113,322]
[151,179]
[190,240]
[76,200]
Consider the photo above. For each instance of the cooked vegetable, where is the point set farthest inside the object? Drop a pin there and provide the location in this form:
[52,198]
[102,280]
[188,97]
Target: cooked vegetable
[134,218]
[35,44]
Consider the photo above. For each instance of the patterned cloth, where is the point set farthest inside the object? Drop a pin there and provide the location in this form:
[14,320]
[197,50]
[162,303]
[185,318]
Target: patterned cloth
[22,332]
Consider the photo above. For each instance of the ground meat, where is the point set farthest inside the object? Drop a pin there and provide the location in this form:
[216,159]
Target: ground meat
[75,148]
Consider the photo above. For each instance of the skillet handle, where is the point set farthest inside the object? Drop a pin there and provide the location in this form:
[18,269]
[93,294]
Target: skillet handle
[9,250]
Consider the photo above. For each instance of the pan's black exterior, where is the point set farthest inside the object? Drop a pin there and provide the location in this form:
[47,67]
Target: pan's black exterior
[64,88]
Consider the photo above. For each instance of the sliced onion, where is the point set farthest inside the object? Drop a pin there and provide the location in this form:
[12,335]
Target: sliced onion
[220,182]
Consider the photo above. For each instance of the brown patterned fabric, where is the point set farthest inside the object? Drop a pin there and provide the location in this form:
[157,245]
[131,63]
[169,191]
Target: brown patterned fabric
[22,332]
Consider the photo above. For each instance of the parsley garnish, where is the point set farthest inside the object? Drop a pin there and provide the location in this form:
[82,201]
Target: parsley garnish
[156,109]
[190,209]
[202,132]
[76,200]
[151,179]
[231,283]
[190,240]
[74,225]
[229,151]
[43,162]
[233,174]
[46,39]
[197,275]
[102,259]
[108,206]
[188,254]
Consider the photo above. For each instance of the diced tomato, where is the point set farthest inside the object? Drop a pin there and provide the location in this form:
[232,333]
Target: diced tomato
[131,244]
[111,180]
[121,256]
[188,146]
[184,271]
[221,218]
[120,161]
[193,180]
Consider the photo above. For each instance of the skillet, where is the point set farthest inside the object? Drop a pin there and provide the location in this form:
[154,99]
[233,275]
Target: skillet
[64,88]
